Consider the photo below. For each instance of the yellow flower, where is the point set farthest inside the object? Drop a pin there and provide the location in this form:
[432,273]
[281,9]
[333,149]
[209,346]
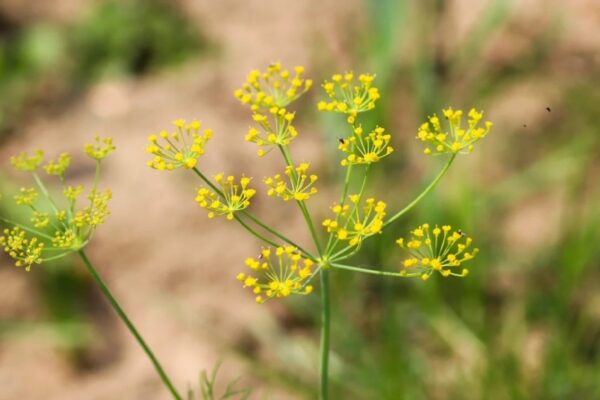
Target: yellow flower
[275,87]
[101,148]
[278,273]
[365,149]
[355,222]
[24,250]
[59,166]
[438,249]
[67,229]
[233,197]
[27,197]
[180,148]
[299,186]
[457,139]
[349,97]
[26,163]
[275,129]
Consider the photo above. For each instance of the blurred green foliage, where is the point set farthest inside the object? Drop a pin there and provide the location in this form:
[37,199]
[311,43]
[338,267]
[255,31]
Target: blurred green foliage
[42,61]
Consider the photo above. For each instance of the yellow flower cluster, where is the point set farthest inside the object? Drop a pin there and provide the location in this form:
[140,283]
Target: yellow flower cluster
[276,87]
[180,148]
[59,166]
[100,149]
[277,129]
[349,97]
[26,163]
[354,221]
[456,139]
[365,149]
[24,250]
[64,230]
[437,249]
[231,198]
[279,275]
[299,186]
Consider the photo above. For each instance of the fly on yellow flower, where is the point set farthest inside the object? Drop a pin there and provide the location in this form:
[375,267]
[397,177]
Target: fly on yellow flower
[299,186]
[365,149]
[276,87]
[232,196]
[455,138]
[180,148]
[438,249]
[277,273]
[355,221]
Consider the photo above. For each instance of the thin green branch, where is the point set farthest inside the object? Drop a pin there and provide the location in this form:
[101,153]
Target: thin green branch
[164,377]
[423,193]
[365,270]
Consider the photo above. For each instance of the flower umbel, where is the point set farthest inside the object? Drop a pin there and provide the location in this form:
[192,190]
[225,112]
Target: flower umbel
[275,87]
[26,163]
[299,186]
[276,129]
[354,221]
[437,249]
[233,197]
[365,149]
[55,232]
[277,275]
[349,97]
[100,149]
[456,139]
[180,148]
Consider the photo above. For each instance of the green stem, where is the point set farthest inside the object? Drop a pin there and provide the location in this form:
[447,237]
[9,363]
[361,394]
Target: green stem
[325,327]
[44,191]
[253,232]
[365,270]
[423,193]
[26,228]
[342,200]
[288,160]
[252,217]
[129,325]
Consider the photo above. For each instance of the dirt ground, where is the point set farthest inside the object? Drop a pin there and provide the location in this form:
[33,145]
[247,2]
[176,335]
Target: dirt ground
[169,265]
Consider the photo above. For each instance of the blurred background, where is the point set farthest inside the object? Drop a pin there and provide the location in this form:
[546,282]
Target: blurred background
[525,324]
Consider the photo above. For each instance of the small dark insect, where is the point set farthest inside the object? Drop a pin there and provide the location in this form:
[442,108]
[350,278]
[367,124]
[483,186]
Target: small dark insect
[548,109]
[461,233]
[342,141]
[260,257]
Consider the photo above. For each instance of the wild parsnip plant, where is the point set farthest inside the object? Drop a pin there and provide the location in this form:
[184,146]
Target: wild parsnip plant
[283,267]
[60,226]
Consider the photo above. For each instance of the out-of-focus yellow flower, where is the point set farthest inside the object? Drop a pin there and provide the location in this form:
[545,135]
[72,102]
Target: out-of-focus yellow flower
[236,197]
[456,138]
[299,185]
[59,166]
[355,222]
[180,148]
[25,250]
[365,149]
[277,273]
[101,148]
[275,87]
[26,163]
[438,249]
[348,96]
[274,129]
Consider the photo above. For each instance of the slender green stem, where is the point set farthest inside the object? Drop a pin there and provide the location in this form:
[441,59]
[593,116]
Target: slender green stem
[345,189]
[288,160]
[26,228]
[44,191]
[129,325]
[253,232]
[423,193]
[325,328]
[365,270]
[252,217]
